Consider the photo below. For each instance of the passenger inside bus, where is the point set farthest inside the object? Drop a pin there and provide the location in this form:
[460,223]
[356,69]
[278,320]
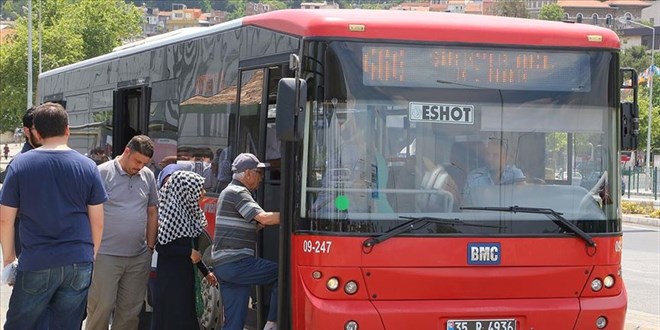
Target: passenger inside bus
[224,174]
[197,160]
[98,155]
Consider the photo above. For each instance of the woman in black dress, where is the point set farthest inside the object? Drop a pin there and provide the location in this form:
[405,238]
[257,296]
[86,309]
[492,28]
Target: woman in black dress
[180,223]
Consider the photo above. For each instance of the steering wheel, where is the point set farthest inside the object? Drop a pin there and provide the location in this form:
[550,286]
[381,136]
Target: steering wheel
[535,180]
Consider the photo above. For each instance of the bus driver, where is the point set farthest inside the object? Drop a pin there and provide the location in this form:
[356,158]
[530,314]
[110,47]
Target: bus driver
[496,171]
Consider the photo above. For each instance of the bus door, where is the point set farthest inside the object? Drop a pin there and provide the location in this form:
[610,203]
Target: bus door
[256,134]
[130,115]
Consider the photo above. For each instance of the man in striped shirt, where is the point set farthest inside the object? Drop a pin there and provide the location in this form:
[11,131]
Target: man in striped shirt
[237,220]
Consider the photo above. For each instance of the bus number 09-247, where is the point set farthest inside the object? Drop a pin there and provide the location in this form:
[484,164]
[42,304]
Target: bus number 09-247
[316,246]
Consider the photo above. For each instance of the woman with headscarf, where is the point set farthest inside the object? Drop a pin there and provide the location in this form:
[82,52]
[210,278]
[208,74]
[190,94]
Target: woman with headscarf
[180,223]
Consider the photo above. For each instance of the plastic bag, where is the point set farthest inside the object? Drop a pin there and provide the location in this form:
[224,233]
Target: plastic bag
[8,275]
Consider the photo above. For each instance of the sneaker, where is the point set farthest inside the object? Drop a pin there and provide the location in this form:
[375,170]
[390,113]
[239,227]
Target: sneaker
[270,325]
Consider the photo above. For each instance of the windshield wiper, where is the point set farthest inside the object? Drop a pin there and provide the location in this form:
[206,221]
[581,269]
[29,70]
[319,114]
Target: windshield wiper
[555,216]
[410,225]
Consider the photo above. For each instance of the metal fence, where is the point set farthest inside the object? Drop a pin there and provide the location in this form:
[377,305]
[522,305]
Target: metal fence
[638,182]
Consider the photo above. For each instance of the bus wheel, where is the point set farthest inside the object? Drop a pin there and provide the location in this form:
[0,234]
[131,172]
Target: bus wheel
[213,313]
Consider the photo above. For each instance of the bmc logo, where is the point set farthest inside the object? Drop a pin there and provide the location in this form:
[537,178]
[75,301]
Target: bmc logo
[483,253]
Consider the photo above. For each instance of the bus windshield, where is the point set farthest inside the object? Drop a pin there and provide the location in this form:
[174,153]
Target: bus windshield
[404,131]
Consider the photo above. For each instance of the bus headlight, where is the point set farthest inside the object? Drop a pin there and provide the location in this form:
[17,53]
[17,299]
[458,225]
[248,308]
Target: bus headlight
[601,322]
[608,281]
[351,287]
[351,325]
[596,284]
[332,284]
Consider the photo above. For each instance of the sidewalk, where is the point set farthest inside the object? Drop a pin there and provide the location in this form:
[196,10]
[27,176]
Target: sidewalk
[641,220]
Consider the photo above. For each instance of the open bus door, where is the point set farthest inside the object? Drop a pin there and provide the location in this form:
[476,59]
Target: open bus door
[255,133]
[291,97]
[130,115]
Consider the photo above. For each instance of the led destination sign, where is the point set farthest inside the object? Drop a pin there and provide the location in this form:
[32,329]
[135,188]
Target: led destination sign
[454,67]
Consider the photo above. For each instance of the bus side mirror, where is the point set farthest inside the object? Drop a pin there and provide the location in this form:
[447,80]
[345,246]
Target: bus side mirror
[629,126]
[629,110]
[290,120]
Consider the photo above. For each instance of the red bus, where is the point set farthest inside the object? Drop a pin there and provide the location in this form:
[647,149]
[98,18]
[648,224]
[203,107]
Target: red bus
[419,159]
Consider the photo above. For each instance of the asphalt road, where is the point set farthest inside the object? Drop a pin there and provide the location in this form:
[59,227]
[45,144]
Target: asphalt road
[641,273]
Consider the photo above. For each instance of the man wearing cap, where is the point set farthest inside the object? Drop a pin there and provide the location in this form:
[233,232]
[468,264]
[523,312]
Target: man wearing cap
[237,219]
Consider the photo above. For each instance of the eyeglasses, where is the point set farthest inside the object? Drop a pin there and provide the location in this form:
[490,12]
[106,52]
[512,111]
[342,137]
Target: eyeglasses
[260,172]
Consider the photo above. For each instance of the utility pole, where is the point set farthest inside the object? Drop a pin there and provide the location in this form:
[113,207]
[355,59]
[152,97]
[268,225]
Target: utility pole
[650,85]
[41,30]
[29,56]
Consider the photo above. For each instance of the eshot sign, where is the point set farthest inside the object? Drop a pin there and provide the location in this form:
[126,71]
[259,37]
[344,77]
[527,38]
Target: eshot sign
[441,113]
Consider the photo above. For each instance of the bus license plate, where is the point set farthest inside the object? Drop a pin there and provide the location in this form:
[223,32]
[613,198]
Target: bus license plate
[481,325]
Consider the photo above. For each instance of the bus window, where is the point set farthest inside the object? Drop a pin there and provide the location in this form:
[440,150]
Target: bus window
[252,83]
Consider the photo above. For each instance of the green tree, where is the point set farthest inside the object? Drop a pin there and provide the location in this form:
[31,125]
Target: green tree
[73,30]
[643,102]
[511,8]
[206,6]
[105,24]
[376,5]
[8,12]
[551,12]
[635,57]
[236,9]
[275,4]
[13,9]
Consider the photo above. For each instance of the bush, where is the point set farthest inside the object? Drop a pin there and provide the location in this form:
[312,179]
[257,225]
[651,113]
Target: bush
[628,207]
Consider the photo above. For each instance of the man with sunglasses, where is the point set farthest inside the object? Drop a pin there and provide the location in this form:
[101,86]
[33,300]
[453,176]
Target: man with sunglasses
[238,218]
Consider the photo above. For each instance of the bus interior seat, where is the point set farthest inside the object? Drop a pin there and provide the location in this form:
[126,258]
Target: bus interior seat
[402,177]
[566,199]
[441,199]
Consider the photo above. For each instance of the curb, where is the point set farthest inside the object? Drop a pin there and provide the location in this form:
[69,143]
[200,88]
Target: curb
[642,220]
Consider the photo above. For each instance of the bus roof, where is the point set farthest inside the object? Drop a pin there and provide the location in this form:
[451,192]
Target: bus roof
[147,44]
[390,25]
[435,26]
